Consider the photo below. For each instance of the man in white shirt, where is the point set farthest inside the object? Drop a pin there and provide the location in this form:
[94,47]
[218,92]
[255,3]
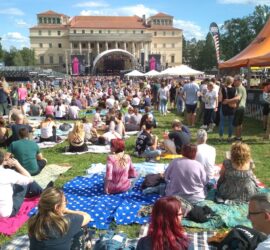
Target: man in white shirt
[259,215]
[15,184]
[206,154]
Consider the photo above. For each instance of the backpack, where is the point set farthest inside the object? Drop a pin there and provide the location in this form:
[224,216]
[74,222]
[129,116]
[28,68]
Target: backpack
[65,127]
[113,241]
[241,238]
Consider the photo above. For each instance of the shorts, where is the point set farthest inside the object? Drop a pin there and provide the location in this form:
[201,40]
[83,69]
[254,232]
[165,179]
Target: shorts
[191,108]
[21,102]
[266,109]
[238,117]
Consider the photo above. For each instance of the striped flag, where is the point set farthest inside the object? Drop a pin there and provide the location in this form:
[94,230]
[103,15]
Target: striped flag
[215,34]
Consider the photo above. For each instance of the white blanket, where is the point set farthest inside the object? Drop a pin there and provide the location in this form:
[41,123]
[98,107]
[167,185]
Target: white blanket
[92,149]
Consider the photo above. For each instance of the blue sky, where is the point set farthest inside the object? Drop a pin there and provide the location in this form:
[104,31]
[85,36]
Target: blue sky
[193,16]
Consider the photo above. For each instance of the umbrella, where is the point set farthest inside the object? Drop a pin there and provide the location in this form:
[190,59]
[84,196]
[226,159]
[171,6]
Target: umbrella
[134,73]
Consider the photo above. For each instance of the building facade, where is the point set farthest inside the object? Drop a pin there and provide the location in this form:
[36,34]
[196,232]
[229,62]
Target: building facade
[97,42]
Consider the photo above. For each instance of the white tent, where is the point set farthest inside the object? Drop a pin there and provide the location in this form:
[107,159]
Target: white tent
[152,73]
[182,70]
[134,73]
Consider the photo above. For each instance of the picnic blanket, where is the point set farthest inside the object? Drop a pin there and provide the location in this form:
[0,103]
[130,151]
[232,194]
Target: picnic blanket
[87,194]
[97,149]
[132,132]
[169,157]
[50,173]
[49,144]
[9,226]
[143,168]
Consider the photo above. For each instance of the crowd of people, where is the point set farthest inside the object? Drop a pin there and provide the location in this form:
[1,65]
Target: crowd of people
[119,107]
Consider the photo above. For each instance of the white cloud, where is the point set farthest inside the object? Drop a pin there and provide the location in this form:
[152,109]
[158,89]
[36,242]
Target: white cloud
[90,4]
[138,9]
[22,23]
[11,12]
[190,29]
[255,2]
[15,39]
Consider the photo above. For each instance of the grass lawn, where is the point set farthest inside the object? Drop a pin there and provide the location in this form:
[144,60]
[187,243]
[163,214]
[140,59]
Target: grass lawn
[252,135]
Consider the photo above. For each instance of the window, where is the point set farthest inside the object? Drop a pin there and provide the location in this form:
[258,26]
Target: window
[59,45]
[164,33]
[109,32]
[162,22]
[49,20]
[54,20]
[74,31]
[109,45]
[60,59]
[49,32]
[173,45]
[91,31]
[59,33]
[100,45]
[154,21]
[155,45]
[45,19]
[41,45]
[83,31]
[100,31]
[75,45]
[84,45]
[158,22]
[58,20]
[163,58]
[155,33]
[41,60]
[172,59]
[141,31]
[50,45]
[40,20]
[173,33]
[134,31]
[92,45]
[164,45]
[51,59]
[39,32]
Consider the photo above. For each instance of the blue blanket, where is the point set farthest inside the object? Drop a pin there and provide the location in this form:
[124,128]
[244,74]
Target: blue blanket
[87,194]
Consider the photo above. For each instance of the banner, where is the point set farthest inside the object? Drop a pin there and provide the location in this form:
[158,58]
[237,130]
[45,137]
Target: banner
[154,62]
[215,34]
[78,64]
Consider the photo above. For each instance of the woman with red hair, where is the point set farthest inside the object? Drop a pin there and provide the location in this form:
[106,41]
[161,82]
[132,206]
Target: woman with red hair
[119,169]
[165,231]
[186,177]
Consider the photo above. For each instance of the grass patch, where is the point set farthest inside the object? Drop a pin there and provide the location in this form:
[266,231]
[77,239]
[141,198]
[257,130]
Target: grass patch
[252,135]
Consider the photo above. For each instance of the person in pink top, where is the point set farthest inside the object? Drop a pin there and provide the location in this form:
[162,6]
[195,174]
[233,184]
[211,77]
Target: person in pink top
[22,94]
[119,169]
[49,110]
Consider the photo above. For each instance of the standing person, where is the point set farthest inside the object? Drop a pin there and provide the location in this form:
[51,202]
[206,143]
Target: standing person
[240,99]
[22,94]
[55,226]
[14,95]
[266,109]
[228,107]
[165,230]
[173,95]
[119,169]
[190,94]
[211,103]
[4,92]
[163,96]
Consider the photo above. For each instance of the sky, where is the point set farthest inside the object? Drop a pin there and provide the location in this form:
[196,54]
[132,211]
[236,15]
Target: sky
[192,16]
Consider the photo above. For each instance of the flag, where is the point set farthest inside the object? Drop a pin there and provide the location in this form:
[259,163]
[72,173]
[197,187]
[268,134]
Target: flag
[215,34]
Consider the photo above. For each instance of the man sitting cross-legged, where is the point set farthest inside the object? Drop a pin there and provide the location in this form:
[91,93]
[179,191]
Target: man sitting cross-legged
[27,153]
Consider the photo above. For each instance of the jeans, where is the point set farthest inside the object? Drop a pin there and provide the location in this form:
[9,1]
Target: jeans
[4,108]
[229,120]
[163,106]
[180,105]
[151,153]
[207,117]
[159,189]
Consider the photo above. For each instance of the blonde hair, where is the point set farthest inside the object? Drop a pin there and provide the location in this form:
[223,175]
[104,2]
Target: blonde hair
[229,80]
[240,154]
[47,216]
[78,128]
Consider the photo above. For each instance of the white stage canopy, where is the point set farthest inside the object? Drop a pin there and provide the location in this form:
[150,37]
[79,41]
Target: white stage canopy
[134,73]
[152,73]
[182,70]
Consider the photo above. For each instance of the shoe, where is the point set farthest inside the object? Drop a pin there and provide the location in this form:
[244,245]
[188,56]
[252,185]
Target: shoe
[237,139]
[220,139]
[203,127]
[210,130]
[229,139]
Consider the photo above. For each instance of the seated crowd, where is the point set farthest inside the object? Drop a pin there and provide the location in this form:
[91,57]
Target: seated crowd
[189,177]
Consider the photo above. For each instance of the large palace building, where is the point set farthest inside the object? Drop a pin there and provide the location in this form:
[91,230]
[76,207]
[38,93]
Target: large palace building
[105,44]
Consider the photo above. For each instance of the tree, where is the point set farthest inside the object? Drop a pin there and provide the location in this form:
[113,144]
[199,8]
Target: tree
[1,51]
[28,56]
